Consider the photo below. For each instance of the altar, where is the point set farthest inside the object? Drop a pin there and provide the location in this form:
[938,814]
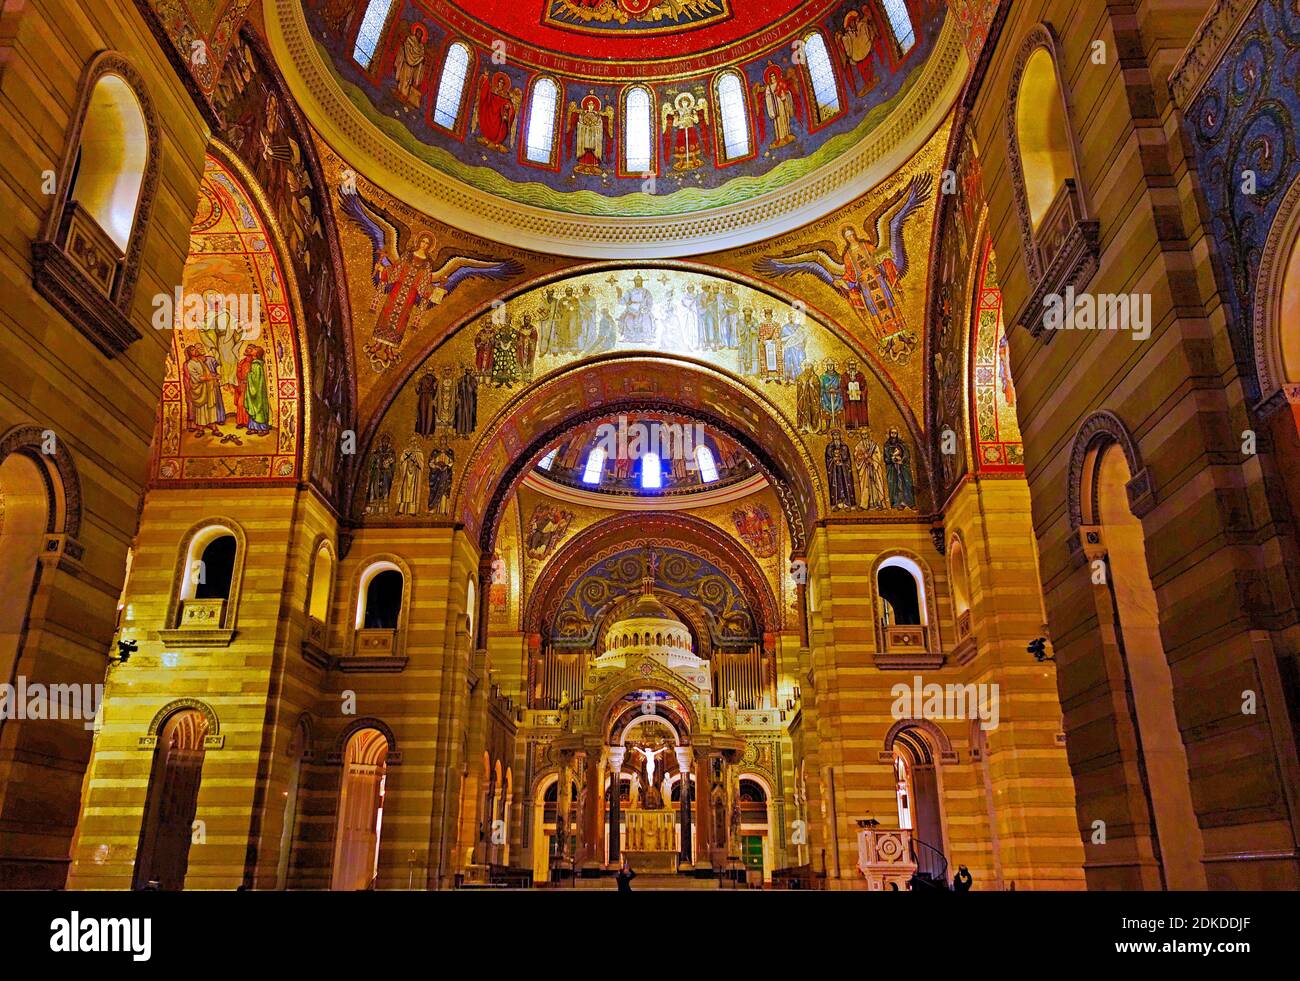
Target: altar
[651,840]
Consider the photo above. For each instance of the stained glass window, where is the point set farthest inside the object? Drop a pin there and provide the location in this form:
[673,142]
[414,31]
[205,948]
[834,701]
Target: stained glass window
[371,30]
[708,466]
[652,477]
[541,121]
[900,22]
[735,122]
[595,466]
[637,132]
[822,75]
[451,86]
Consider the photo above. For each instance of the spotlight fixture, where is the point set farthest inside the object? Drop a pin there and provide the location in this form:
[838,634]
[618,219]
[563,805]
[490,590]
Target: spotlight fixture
[125,648]
[1038,648]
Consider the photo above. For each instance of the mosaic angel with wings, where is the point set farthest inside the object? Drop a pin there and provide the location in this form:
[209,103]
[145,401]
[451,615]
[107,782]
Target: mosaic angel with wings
[870,267]
[410,279]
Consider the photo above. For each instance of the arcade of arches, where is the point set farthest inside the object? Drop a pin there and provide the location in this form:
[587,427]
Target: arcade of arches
[444,451]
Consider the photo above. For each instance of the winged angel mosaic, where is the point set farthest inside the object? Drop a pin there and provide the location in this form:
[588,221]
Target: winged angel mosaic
[870,268]
[410,278]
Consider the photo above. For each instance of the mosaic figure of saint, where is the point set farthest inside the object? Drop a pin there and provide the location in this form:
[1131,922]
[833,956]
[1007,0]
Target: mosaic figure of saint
[839,474]
[898,472]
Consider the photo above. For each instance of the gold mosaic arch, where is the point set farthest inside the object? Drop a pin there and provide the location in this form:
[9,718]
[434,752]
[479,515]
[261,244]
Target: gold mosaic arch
[602,540]
[776,292]
[374,155]
[800,514]
[250,186]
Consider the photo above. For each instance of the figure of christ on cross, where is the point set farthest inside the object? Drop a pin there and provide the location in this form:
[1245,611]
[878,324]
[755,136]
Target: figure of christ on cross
[649,756]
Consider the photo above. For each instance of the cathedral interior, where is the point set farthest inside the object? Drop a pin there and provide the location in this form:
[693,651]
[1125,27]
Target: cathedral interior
[839,444]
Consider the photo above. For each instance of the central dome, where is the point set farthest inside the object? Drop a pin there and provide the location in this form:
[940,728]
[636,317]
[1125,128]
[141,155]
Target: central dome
[608,127]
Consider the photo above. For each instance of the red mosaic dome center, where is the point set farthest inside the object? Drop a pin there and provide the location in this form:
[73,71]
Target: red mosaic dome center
[680,35]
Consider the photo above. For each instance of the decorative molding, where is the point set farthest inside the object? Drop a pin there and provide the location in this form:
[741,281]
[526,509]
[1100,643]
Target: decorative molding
[965,652]
[921,661]
[429,190]
[212,738]
[102,315]
[938,740]
[1211,40]
[1103,428]
[1283,237]
[62,484]
[336,754]
[1069,265]
[196,637]
[1073,266]
[521,462]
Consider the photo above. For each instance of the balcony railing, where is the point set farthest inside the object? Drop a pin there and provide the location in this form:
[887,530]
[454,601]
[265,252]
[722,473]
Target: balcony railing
[1064,253]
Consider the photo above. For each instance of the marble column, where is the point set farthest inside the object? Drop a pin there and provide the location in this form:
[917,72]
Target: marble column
[616,754]
[684,766]
[563,805]
[588,846]
[703,814]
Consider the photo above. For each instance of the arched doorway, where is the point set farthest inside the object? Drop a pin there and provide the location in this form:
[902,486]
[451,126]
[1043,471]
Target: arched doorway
[22,534]
[1162,758]
[298,752]
[172,801]
[917,796]
[757,832]
[361,811]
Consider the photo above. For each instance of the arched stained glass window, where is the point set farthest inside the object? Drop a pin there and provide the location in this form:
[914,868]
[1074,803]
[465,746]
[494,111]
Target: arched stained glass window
[637,132]
[595,466]
[708,466]
[371,30]
[822,76]
[451,86]
[541,121]
[652,477]
[900,22]
[734,119]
